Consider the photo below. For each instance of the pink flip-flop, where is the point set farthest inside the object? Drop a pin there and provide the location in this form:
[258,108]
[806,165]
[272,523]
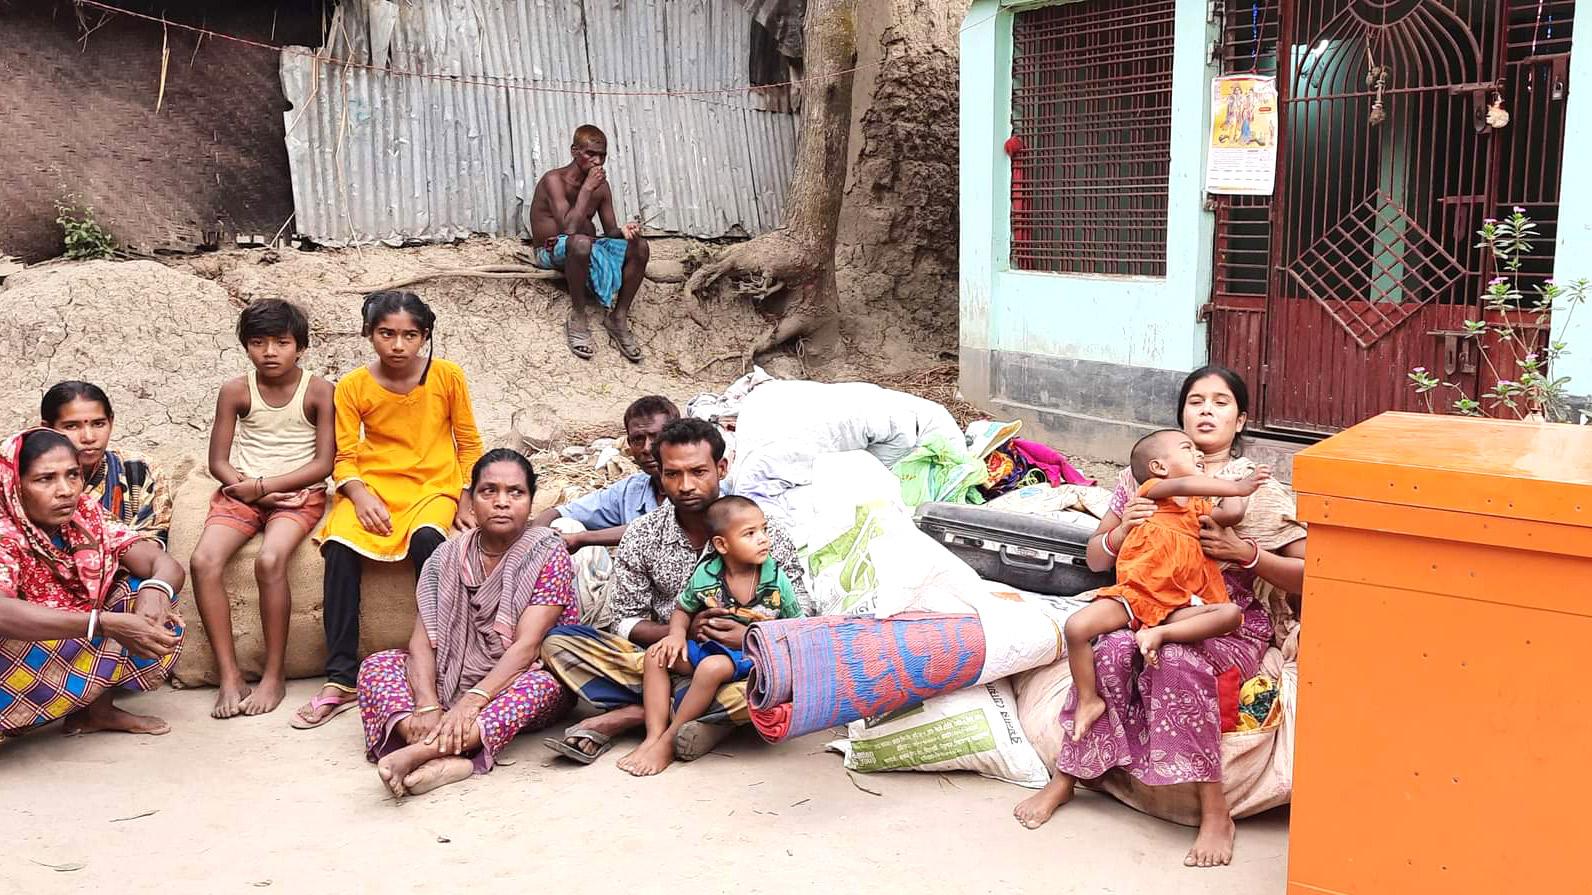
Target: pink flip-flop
[342,704]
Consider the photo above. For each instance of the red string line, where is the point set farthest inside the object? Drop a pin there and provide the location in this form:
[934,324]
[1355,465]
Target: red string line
[505,82]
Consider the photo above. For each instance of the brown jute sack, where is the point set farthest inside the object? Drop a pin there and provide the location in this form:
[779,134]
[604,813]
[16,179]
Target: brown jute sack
[386,615]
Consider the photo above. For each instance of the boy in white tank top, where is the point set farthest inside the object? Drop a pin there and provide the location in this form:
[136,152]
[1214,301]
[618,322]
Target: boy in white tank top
[271,448]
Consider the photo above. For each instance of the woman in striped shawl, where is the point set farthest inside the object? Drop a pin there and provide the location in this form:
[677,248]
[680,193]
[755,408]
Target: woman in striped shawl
[472,677]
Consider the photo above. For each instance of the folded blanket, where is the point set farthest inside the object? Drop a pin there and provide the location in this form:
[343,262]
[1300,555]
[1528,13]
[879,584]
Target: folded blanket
[814,673]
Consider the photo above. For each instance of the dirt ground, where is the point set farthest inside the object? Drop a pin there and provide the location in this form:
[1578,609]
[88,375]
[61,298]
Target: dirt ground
[250,804]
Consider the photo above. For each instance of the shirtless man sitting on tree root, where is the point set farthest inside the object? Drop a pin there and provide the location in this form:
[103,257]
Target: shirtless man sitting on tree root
[561,228]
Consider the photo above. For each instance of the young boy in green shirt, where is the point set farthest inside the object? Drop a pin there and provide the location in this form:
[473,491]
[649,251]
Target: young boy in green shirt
[737,576]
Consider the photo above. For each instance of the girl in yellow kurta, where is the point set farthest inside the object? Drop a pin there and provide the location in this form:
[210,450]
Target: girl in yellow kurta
[406,441]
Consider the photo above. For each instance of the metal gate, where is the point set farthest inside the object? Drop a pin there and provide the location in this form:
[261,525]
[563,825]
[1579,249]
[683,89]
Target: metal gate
[1363,264]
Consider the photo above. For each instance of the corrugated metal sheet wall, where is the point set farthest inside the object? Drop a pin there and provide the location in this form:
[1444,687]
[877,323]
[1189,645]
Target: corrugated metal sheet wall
[378,155]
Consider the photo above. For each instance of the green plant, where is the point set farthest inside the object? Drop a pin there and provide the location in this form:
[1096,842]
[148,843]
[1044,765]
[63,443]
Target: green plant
[85,239]
[1519,363]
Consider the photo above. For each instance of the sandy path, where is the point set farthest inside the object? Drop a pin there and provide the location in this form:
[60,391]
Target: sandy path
[250,805]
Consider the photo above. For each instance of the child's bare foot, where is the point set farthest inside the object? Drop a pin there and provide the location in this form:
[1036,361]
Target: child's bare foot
[265,697]
[624,763]
[229,698]
[1089,710]
[102,715]
[394,767]
[438,772]
[651,757]
[1150,640]
[1213,845]
[1033,811]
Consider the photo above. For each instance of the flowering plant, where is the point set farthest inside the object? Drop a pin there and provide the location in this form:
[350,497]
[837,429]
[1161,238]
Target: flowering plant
[1520,366]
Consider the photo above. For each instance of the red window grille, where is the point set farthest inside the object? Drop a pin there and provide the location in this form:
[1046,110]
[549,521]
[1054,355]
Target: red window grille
[1243,223]
[1092,129]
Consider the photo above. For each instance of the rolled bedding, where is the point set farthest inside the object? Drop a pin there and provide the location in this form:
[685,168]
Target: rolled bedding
[815,673]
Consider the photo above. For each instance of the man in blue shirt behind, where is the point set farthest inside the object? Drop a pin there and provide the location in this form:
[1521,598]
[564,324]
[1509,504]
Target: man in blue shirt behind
[595,522]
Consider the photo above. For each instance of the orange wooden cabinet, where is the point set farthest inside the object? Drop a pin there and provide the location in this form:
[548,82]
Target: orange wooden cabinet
[1445,665]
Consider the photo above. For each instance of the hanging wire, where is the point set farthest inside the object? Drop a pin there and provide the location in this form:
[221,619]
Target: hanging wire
[504,81]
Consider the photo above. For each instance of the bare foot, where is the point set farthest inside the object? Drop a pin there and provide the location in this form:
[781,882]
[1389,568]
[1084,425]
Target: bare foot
[438,772]
[1150,640]
[229,698]
[624,763]
[395,767]
[1089,710]
[102,715]
[1213,845]
[267,695]
[1033,811]
[651,757]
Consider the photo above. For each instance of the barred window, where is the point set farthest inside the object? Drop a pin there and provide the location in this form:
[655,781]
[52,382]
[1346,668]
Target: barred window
[1092,122]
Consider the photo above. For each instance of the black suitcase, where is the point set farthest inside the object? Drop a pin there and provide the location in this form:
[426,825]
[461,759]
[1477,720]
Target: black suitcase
[1033,553]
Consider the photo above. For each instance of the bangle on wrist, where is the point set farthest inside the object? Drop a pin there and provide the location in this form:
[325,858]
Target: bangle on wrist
[93,622]
[156,583]
[1256,561]
[477,691]
[426,708]
[1105,544]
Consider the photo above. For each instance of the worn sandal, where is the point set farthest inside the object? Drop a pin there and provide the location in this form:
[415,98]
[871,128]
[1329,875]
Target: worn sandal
[602,741]
[342,703]
[626,343]
[579,343]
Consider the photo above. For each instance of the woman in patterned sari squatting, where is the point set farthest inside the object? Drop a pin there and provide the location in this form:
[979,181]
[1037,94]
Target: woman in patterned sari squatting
[87,605]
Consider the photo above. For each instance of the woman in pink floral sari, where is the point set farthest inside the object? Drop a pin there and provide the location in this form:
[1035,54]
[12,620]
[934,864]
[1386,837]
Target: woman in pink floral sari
[1162,724]
[472,677]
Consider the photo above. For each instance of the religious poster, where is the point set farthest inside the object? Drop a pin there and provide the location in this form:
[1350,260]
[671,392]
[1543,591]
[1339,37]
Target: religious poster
[1242,159]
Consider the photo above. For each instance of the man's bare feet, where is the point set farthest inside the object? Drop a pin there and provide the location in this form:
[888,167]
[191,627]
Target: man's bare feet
[438,772]
[229,698]
[103,715]
[1090,708]
[265,697]
[395,767]
[650,757]
[1213,845]
[1033,811]
[1150,640]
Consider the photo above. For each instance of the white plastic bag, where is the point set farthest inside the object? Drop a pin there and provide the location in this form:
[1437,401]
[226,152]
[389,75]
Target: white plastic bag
[970,730]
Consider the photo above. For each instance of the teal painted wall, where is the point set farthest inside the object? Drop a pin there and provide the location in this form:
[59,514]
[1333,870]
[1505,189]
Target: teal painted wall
[1137,321]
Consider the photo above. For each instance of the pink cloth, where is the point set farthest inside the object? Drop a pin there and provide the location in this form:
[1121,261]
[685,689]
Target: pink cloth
[1163,724]
[1056,467]
[470,616]
[535,699]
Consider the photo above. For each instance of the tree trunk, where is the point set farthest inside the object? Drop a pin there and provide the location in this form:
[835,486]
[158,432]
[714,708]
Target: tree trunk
[796,263]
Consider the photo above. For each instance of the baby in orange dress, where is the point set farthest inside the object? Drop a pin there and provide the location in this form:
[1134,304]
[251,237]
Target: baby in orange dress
[1167,590]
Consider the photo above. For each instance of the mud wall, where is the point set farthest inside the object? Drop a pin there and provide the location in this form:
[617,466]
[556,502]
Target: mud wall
[78,90]
[896,258]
